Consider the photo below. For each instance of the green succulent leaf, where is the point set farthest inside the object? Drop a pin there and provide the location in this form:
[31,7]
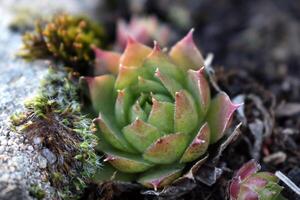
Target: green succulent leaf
[127,163]
[160,177]
[102,94]
[167,149]
[185,53]
[186,119]
[140,134]
[112,135]
[122,106]
[219,115]
[198,146]
[162,115]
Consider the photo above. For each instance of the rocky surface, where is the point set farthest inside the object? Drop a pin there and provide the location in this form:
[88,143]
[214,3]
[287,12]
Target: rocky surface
[21,166]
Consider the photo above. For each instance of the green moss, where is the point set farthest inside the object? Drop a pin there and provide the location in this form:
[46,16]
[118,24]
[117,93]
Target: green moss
[37,192]
[55,116]
[65,38]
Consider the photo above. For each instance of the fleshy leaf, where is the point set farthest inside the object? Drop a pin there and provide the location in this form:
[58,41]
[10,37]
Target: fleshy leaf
[122,105]
[247,194]
[185,53]
[106,61]
[112,135]
[267,176]
[145,85]
[140,134]
[167,149]
[247,170]
[271,191]
[158,60]
[137,112]
[219,115]
[101,90]
[198,146]
[127,163]
[134,53]
[171,84]
[162,97]
[126,77]
[162,116]
[160,177]
[186,117]
[108,172]
[199,88]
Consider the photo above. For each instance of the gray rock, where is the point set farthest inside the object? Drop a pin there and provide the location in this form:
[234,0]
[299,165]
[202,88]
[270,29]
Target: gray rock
[42,161]
[51,158]
[20,164]
[13,192]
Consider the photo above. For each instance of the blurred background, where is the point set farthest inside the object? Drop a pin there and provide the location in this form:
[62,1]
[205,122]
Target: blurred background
[256,47]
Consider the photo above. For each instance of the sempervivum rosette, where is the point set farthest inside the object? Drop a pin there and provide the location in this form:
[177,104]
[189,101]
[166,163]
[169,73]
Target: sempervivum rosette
[155,110]
[249,184]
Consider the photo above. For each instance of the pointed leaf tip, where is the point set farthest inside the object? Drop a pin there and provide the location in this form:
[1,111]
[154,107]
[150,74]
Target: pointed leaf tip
[106,61]
[161,176]
[248,169]
[134,53]
[166,149]
[219,115]
[198,146]
[189,38]
[186,54]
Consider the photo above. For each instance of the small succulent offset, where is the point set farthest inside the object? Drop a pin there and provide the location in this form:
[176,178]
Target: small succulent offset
[67,38]
[143,29]
[250,184]
[155,110]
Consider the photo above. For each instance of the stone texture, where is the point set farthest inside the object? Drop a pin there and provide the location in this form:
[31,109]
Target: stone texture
[21,166]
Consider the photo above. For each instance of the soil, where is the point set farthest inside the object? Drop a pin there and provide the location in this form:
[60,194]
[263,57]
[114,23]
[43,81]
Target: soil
[257,58]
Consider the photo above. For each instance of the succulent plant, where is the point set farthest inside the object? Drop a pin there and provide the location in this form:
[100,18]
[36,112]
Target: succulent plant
[249,184]
[142,29]
[155,110]
[66,38]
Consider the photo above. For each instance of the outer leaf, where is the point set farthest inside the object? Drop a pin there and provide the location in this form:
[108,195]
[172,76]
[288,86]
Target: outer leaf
[134,54]
[108,172]
[112,135]
[127,76]
[270,192]
[247,194]
[186,117]
[162,116]
[101,90]
[160,177]
[219,115]
[106,61]
[198,146]
[247,170]
[167,149]
[127,163]
[185,53]
[199,88]
[140,134]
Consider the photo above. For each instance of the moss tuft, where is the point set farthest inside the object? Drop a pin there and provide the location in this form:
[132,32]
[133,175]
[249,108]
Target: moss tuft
[54,117]
[66,38]
[37,192]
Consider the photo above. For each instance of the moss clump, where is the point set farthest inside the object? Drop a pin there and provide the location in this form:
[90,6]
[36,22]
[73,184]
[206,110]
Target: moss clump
[37,192]
[66,38]
[54,116]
